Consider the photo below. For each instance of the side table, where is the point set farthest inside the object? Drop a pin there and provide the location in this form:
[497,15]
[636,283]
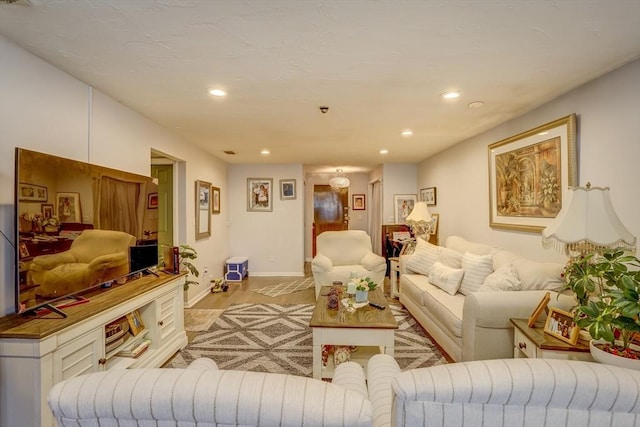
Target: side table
[394,273]
[534,343]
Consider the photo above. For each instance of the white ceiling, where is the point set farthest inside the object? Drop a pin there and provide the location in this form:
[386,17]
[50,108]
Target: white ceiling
[380,66]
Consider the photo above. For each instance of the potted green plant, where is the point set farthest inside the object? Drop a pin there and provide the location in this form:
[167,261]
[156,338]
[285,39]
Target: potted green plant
[187,255]
[363,286]
[607,289]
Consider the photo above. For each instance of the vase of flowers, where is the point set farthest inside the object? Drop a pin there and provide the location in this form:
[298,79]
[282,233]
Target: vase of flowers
[363,286]
[607,288]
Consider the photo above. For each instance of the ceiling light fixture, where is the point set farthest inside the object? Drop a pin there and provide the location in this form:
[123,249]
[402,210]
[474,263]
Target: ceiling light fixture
[217,92]
[407,133]
[265,152]
[475,104]
[451,94]
[384,151]
[339,182]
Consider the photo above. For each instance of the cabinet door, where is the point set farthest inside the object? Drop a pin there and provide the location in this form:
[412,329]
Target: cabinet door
[167,316]
[80,356]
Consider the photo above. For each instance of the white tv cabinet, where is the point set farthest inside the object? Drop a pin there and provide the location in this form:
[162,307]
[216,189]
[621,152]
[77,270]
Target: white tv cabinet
[36,353]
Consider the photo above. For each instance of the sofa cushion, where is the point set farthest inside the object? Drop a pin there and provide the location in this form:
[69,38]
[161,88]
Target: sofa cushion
[505,278]
[539,275]
[413,286]
[476,269]
[424,255]
[462,245]
[447,308]
[446,278]
[450,258]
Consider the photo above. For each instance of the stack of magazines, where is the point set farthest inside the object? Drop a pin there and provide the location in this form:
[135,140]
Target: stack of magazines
[136,350]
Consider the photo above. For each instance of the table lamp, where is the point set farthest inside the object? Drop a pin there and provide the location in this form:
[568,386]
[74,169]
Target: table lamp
[420,220]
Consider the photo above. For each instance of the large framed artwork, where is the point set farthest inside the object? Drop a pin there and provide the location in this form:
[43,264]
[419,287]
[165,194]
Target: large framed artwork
[259,194]
[529,175]
[203,212]
[403,205]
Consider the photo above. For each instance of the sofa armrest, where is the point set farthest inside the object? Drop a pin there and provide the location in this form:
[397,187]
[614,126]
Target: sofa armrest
[403,263]
[321,263]
[205,397]
[520,392]
[487,332]
[48,262]
[381,370]
[350,375]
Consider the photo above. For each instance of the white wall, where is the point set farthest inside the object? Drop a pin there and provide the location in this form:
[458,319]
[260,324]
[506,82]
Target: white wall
[44,109]
[398,178]
[608,139]
[273,241]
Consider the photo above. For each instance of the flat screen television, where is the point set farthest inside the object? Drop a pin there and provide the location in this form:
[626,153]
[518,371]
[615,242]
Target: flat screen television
[75,223]
[142,258]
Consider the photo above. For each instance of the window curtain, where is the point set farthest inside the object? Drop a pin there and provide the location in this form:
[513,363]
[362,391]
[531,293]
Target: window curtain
[120,205]
[375,219]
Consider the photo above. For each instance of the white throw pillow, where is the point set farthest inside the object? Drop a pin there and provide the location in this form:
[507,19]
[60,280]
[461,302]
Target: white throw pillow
[476,269]
[450,258]
[423,257]
[446,278]
[505,278]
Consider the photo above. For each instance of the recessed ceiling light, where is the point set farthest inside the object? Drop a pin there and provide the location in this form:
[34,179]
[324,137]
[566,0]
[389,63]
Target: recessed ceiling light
[407,132]
[217,92]
[265,152]
[451,94]
[384,151]
[475,104]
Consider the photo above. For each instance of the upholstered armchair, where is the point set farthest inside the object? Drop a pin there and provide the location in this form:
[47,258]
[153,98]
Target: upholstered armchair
[340,253]
[94,256]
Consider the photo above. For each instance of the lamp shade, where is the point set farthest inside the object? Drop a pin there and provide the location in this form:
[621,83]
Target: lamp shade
[420,219]
[588,223]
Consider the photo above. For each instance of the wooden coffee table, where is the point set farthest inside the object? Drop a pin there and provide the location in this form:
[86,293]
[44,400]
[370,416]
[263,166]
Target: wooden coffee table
[369,328]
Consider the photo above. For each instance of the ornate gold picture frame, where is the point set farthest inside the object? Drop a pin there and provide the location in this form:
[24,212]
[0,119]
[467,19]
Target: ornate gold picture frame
[529,175]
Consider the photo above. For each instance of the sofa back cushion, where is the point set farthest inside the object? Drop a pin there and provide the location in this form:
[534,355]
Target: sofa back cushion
[423,257]
[476,269]
[533,275]
[346,247]
[462,245]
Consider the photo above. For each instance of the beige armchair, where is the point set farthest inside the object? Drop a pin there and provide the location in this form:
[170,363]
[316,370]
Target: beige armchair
[340,253]
[95,256]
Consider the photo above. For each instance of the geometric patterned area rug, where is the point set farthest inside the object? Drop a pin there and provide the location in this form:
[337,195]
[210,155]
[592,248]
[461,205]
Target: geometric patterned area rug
[287,287]
[277,338]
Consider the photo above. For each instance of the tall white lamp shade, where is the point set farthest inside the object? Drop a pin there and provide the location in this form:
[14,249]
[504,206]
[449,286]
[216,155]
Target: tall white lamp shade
[420,219]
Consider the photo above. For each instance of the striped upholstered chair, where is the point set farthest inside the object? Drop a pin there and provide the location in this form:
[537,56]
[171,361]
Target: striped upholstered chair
[504,392]
[203,396]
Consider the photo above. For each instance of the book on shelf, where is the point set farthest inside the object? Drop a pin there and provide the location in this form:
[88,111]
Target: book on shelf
[135,351]
[114,344]
[171,259]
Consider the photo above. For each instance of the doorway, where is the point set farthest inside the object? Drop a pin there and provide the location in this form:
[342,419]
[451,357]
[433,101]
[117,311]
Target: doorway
[330,211]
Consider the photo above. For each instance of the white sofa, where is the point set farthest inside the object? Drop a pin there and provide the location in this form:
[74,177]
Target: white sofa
[203,396]
[475,325]
[340,253]
[483,393]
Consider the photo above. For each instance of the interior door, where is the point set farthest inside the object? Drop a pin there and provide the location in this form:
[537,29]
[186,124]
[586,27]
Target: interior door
[164,173]
[330,210]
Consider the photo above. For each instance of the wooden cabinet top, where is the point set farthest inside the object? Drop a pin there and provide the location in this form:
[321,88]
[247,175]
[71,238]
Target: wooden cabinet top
[100,300]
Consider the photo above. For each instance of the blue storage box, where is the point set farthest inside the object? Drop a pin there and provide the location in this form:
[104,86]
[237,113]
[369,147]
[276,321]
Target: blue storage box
[236,269]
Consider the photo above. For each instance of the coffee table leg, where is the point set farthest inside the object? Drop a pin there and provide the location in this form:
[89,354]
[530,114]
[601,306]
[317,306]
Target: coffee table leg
[389,347]
[317,354]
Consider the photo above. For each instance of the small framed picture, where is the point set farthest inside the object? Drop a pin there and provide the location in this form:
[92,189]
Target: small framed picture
[403,204]
[542,306]
[561,325]
[428,195]
[152,201]
[259,195]
[359,202]
[32,193]
[24,252]
[215,200]
[47,210]
[135,322]
[287,189]
[68,207]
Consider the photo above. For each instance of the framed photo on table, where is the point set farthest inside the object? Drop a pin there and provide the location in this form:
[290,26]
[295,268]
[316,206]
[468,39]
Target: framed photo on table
[529,174]
[561,325]
[135,322]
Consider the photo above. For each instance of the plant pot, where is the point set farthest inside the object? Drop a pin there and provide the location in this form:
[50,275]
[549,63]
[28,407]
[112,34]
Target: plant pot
[602,356]
[362,296]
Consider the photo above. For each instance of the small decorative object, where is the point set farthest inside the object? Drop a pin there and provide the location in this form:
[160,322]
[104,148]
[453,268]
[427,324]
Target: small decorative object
[561,325]
[152,201]
[219,285]
[363,286]
[135,322]
[51,224]
[333,299]
[341,355]
[542,306]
